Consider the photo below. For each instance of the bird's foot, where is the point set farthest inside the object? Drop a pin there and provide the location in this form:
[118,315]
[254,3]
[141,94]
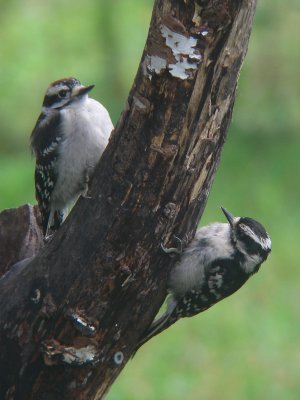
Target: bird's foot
[172,250]
[48,238]
[84,193]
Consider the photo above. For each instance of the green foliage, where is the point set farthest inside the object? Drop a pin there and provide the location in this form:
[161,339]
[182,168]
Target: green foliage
[247,346]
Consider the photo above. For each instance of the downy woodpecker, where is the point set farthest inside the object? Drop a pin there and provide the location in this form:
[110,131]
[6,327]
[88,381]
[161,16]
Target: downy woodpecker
[68,140]
[218,261]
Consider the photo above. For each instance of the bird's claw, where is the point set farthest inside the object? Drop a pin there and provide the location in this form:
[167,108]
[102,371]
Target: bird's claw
[85,196]
[175,250]
[84,193]
[48,237]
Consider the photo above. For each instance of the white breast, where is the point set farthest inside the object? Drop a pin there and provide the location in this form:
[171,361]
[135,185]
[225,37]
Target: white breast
[86,127]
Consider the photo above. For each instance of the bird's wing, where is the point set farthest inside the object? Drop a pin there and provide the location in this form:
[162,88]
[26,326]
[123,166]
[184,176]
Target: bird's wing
[45,138]
[221,280]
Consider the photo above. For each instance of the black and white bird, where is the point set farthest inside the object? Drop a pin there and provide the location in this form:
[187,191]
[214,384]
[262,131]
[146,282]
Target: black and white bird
[219,260]
[68,140]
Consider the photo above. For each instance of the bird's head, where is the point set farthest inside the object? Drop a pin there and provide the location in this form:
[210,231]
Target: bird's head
[250,238]
[63,92]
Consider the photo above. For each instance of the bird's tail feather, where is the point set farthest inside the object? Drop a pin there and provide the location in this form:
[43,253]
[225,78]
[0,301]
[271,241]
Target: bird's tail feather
[155,328]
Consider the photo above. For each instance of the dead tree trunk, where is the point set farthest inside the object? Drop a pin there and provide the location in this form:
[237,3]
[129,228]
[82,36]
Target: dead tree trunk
[69,320]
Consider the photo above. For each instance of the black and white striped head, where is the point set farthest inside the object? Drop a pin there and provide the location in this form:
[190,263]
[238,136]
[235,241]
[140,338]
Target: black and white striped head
[63,92]
[250,238]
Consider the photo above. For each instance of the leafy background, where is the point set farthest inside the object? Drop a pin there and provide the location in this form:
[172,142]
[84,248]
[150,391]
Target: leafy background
[246,347]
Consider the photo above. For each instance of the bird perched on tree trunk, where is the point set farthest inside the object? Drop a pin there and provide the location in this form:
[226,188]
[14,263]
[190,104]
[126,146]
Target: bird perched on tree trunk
[218,261]
[68,140]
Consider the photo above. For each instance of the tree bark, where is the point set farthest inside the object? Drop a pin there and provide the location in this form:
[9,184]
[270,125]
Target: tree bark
[20,235]
[70,318]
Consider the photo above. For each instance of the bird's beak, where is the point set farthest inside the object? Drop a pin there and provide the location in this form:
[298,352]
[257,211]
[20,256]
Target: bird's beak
[82,90]
[229,216]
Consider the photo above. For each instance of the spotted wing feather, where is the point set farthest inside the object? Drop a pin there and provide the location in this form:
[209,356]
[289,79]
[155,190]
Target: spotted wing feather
[223,278]
[44,143]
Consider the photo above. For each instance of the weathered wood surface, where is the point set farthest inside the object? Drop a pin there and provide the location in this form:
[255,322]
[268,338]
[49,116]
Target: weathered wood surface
[20,235]
[70,319]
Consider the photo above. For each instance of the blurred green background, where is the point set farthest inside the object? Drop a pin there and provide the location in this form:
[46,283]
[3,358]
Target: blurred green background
[248,346]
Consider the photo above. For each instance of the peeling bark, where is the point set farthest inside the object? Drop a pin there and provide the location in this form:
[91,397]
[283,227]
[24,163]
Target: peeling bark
[70,319]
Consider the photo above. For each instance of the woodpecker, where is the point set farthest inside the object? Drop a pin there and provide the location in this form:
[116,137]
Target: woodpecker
[68,140]
[218,261]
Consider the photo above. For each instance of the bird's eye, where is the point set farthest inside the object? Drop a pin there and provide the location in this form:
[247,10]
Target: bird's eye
[62,93]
